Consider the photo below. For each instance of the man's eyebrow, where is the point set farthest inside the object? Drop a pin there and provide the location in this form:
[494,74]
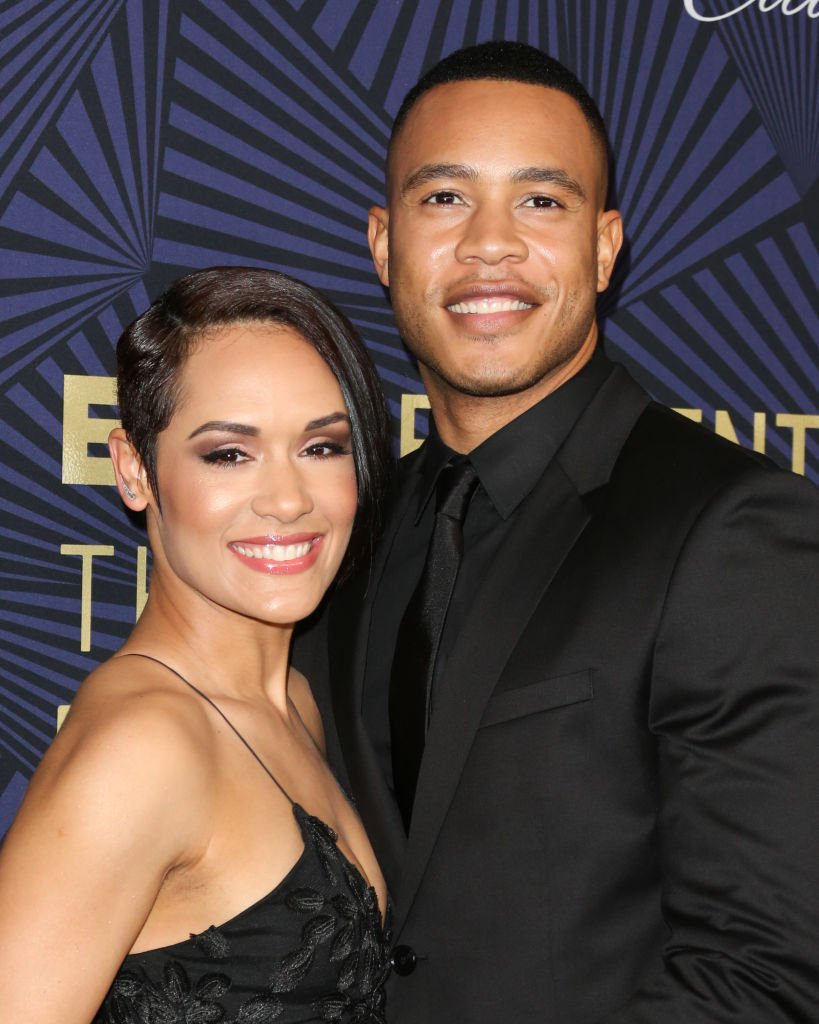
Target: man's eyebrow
[326,421]
[523,175]
[549,176]
[431,172]
[225,427]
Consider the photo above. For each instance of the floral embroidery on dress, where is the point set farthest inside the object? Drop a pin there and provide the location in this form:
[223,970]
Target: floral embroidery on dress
[335,917]
[351,926]
[134,999]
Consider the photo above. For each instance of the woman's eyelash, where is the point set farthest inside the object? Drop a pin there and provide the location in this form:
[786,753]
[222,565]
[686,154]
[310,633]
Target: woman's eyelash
[326,449]
[224,456]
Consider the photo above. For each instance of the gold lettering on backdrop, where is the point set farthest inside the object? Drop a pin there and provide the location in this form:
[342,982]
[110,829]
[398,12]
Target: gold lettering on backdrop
[142,580]
[85,622]
[691,414]
[86,552]
[800,424]
[723,425]
[80,429]
[410,404]
[760,421]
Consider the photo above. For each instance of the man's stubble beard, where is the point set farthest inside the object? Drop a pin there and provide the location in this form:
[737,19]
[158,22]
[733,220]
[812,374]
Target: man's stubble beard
[569,333]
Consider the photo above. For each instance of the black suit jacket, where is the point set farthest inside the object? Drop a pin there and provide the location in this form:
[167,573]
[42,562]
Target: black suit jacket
[616,816]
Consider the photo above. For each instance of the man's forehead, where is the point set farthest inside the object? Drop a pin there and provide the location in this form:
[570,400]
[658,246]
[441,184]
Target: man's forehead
[455,116]
[456,101]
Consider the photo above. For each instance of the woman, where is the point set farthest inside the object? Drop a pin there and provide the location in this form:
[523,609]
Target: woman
[176,856]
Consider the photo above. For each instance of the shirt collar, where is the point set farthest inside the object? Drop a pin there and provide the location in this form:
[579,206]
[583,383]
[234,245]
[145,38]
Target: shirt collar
[511,461]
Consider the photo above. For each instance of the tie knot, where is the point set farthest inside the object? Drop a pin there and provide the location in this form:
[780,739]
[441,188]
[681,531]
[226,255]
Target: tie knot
[454,489]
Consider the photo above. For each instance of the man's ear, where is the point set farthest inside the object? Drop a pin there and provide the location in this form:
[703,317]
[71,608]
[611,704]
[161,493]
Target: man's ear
[129,472]
[609,242]
[378,237]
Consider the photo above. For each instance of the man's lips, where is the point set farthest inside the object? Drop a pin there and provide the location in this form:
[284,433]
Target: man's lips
[491,299]
[489,306]
[278,554]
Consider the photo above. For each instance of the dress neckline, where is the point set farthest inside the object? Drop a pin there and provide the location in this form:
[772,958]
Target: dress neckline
[297,811]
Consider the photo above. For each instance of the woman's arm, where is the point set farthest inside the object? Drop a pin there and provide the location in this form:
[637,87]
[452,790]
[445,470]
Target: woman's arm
[115,804]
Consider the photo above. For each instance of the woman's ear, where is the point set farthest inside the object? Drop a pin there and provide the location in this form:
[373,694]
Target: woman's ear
[129,472]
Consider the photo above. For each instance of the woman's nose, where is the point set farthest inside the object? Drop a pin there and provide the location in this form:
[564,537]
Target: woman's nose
[283,493]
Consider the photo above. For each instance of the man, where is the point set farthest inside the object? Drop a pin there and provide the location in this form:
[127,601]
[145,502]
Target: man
[613,820]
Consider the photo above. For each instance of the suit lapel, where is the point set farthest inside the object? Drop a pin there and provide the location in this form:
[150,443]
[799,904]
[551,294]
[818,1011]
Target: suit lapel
[548,525]
[512,590]
[550,522]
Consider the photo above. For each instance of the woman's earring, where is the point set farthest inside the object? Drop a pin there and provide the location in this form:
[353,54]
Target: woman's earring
[128,492]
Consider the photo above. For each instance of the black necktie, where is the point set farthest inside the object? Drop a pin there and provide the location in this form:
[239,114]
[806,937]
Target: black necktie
[419,633]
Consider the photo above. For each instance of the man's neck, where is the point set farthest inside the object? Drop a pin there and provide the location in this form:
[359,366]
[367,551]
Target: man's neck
[465,421]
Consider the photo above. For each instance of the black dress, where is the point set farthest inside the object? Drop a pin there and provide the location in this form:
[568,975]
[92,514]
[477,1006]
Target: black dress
[312,950]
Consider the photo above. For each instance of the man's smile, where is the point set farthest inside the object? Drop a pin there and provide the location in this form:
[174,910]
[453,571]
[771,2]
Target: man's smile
[489,306]
[489,298]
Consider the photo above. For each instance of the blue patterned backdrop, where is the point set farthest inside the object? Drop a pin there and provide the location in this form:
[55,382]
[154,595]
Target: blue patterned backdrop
[144,138]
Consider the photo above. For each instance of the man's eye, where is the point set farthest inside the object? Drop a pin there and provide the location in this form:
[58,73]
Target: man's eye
[224,457]
[542,202]
[444,199]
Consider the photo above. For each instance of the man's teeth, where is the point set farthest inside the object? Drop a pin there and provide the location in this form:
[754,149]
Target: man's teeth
[274,552]
[489,306]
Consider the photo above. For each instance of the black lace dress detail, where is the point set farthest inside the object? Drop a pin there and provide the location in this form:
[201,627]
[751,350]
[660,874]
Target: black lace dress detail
[313,951]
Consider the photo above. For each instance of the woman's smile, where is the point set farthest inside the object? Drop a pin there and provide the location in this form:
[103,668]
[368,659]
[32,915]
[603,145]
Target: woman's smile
[292,554]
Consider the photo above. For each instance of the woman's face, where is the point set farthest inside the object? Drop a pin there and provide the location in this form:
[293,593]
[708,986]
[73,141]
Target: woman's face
[256,475]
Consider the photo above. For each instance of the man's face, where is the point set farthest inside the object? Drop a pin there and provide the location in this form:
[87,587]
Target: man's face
[494,242]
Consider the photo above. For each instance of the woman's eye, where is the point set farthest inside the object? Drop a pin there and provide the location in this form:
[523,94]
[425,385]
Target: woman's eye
[224,457]
[444,199]
[325,450]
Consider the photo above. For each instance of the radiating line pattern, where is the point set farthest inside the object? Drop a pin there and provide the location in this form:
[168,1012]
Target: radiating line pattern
[80,223]
[777,57]
[145,138]
[42,50]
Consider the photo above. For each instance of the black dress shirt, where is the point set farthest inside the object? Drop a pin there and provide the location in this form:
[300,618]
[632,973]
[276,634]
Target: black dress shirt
[508,463]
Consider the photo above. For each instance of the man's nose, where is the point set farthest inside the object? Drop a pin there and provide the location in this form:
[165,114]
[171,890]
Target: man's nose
[282,491]
[490,235]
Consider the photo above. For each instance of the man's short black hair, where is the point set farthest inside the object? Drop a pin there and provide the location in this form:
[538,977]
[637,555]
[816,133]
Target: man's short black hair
[506,61]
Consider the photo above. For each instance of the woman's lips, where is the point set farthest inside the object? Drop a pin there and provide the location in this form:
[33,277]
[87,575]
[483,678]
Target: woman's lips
[278,555]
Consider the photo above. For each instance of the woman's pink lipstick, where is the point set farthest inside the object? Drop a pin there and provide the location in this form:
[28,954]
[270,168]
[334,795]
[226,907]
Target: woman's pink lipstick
[278,556]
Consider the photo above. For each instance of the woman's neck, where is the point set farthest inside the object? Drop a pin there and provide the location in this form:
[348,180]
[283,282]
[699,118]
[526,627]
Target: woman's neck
[230,654]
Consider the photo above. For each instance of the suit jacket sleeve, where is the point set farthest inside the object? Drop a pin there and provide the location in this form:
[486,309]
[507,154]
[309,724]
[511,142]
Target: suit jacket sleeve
[735,707]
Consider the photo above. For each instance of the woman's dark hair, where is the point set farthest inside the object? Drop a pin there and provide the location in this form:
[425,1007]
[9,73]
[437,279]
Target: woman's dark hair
[152,351]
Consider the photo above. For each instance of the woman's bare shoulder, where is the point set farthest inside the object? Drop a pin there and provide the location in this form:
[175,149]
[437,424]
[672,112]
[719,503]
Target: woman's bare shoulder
[132,739]
[120,799]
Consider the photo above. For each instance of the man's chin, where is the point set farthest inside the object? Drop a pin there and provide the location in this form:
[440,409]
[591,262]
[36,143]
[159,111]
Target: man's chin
[490,383]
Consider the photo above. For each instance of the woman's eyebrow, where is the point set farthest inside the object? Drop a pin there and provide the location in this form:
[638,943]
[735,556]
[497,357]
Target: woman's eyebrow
[226,427]
[328,420]
[229,427]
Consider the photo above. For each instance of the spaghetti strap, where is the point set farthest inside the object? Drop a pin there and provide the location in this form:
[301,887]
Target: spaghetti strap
[221,713]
